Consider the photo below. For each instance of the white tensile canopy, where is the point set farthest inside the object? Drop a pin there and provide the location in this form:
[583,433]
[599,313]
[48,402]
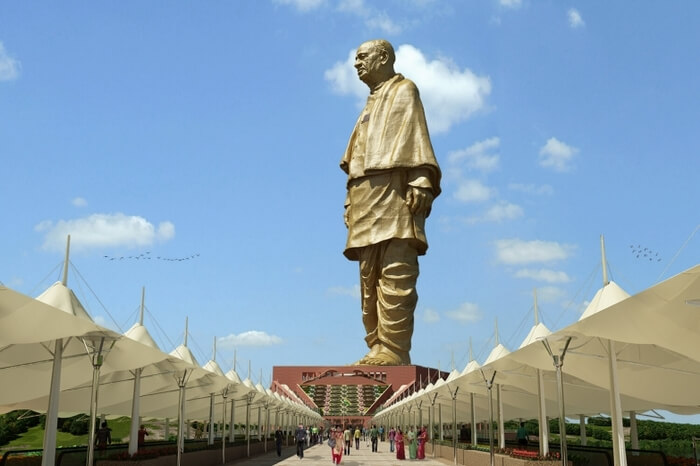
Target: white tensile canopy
[625,354]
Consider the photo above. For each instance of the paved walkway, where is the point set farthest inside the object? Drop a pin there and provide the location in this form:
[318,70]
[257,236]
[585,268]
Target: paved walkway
[321,455]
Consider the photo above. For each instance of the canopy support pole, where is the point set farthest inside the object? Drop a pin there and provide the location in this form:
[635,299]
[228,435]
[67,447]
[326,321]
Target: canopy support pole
[542,421]
[135,409]
[489,386]
[619,452]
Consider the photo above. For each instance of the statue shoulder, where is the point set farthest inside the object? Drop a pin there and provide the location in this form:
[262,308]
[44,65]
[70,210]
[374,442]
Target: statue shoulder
[406,88]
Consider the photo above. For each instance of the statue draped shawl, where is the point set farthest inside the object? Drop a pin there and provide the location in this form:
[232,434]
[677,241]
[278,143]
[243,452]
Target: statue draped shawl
[397,133]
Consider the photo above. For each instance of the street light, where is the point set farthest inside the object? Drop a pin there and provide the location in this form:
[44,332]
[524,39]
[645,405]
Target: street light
[558,361]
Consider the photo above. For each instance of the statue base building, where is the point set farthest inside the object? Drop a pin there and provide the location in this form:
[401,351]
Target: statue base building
[351,394]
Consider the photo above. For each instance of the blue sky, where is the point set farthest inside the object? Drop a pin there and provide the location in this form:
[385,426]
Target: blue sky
[212,133]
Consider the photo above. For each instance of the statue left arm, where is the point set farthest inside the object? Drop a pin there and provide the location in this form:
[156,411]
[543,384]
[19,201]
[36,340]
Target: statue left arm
[419,192]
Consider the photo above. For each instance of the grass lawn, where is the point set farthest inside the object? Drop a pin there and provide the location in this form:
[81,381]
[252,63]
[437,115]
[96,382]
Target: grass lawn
[34,437]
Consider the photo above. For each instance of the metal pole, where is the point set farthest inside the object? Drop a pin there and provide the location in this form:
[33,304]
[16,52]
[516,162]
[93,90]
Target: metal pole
[247,427]
[267,424]
[558,361]
[542,416]
[232,425]
[432,417]
[51,426]
[223,428]
[489,386]
[180,422]
[562,415]
[454,422]
[473,418]
[97,359]
[135,408]
[501,422]
[93,415]
[492,458]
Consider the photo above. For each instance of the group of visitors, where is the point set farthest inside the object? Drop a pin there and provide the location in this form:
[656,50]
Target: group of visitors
[103,436]
[415,441]
[340,441]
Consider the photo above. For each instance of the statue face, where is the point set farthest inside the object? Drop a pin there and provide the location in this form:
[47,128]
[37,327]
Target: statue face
[368,62]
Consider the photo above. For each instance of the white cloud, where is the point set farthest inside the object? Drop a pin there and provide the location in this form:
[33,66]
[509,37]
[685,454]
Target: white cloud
[544,275]
[575,19]
[544,189]
[473,191]
[479,155]
[15,282]
[353,291]
[498,213]
[9,67]
[383,23]
[79,202]
[302,5]
[516,251]
[465,313]
[583,306]
[356,7]
[102,321]
[510,3]
[557,155]
[103,230]
[430,316]
[249,338]
[449,95]
[550,294]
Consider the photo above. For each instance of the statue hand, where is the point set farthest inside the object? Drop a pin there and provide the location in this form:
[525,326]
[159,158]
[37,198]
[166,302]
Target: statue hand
[419,200]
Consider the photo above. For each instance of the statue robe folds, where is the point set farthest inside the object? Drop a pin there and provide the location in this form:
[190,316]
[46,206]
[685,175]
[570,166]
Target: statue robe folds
[389,151]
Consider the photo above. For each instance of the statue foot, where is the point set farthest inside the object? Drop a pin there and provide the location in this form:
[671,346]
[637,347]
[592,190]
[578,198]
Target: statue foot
[374,350]
[387,357]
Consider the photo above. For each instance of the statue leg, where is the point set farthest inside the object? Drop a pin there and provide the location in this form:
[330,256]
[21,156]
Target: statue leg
[370,269]
[397,299]
[396,302]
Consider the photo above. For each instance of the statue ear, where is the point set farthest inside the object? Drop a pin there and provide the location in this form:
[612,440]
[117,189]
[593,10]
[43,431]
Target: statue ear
[385,57]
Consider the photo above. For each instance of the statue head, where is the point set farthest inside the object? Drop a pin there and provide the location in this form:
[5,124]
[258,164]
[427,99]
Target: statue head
[374,62]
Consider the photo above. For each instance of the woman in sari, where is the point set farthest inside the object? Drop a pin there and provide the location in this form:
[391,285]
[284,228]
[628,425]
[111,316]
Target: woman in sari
[339,446]
[398,443]
[422,438]
[412,445]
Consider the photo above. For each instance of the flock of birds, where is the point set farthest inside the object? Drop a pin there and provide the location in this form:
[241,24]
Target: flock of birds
[147,256]
[645,253]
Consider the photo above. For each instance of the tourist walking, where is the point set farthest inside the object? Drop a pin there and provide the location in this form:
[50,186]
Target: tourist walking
[357,435]
[278,440]
[374,437]
[103,437]
[300,437]
[347,439]
[337,444]
[412,444]
[398,438]
[422,438]
[392,439]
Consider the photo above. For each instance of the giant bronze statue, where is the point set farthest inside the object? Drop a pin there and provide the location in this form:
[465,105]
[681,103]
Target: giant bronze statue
[393,177]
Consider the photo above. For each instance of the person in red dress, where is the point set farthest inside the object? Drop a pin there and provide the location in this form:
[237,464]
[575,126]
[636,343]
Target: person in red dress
[398,439]
[422,438]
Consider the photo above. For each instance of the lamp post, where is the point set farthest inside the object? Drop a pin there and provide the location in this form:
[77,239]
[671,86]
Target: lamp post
[489,386]
[558,361]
